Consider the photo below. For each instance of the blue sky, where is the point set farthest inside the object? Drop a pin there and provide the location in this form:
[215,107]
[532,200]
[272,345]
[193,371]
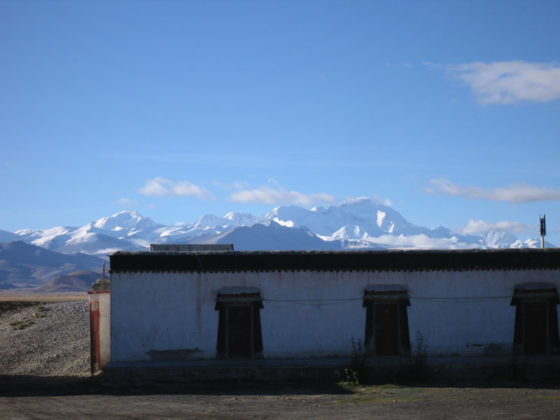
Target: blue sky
[449,110]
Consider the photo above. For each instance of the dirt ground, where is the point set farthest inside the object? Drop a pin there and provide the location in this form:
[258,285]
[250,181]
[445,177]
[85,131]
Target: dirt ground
[35,397]
[31,385]
[46,337]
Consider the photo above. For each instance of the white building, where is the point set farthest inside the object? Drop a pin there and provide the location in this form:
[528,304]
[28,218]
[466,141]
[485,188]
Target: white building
[180,306]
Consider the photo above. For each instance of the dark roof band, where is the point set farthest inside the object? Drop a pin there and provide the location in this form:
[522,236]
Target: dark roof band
[390,260]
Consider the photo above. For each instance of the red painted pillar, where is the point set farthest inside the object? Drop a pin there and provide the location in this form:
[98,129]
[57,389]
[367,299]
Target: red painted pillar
[94,336]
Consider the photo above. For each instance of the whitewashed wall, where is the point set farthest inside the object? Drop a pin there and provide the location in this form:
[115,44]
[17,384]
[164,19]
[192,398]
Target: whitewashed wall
[103,304]
[455,313]
[104,327]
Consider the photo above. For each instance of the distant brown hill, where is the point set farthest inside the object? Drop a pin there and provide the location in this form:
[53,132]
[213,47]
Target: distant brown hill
[78,281]
[28,266]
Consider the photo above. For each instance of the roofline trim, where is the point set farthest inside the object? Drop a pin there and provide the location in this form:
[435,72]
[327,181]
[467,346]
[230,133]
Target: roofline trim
[337,261]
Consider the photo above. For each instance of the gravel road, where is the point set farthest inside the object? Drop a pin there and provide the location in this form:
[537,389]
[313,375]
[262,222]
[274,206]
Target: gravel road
[49,339]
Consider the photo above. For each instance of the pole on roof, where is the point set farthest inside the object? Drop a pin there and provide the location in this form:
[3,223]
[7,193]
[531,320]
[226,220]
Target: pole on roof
[542,221]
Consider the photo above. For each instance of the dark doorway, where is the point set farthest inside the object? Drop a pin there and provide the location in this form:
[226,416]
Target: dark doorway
[239,327]
[239,324]
[536,319]
[534,325]
[386,329]
[386,320]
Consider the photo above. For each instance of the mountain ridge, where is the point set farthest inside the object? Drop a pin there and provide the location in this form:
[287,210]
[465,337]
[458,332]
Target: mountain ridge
[354,224]
[27,266]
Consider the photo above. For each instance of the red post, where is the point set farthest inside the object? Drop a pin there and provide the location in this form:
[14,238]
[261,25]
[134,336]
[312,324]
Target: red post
[94,336]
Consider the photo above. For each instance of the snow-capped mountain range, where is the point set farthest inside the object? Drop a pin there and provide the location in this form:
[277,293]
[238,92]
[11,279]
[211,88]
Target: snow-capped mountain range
[358,223]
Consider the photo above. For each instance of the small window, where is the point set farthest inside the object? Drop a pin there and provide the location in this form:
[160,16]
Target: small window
[536,319]
[386,320]
[239,328]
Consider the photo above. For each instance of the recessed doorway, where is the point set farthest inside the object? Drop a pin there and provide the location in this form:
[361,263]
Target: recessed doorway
[239,327]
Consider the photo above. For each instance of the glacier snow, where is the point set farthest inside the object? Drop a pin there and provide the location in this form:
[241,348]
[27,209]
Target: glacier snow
[354,224]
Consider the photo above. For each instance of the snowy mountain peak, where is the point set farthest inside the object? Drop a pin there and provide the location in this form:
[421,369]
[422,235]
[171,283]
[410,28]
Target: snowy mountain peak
[285,223]
[372,217]
[289,212]
[354,224]
[349,232]
[122,220]
[231,219]
[380,217]
[210,220]
[241,219]
[494,239]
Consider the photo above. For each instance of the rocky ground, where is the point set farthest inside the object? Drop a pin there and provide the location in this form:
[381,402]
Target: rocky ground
[44,339]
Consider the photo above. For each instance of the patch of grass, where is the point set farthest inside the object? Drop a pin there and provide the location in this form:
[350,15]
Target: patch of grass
[356,373]
[7,306]
[20,325]
[548,397]
[40,312]
[12,305]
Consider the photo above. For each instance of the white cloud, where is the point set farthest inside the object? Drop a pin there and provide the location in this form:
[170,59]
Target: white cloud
[277,195]
[508,82]
[162,186]
[475,227]
[515,193]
